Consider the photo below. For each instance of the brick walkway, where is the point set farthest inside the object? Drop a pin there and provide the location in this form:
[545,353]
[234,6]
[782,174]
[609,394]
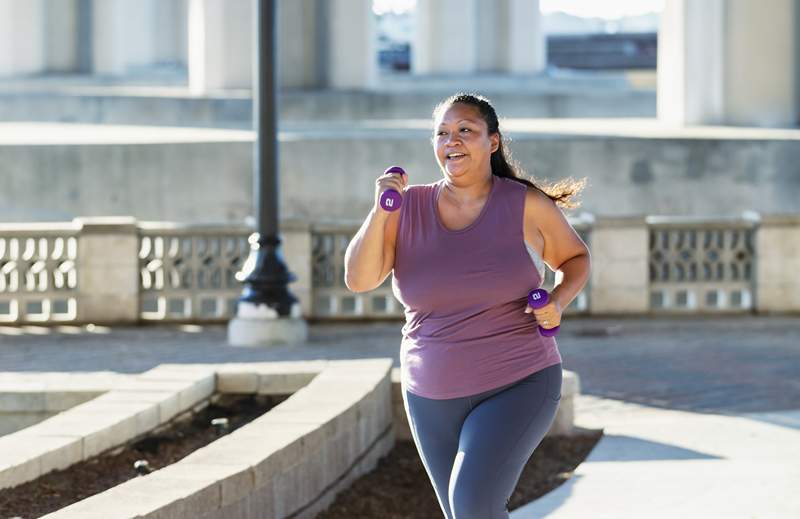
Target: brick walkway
[721,364]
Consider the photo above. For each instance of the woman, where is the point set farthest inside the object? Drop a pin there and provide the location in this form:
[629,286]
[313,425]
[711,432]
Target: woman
[481,386]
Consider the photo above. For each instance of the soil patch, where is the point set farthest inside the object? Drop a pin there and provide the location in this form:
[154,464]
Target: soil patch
[163,447]
[399,487]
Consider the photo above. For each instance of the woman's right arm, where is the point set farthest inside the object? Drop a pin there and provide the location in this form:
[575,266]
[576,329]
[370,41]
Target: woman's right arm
[369,257]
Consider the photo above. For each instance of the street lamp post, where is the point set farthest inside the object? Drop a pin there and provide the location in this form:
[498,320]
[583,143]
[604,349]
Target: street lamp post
[267,313]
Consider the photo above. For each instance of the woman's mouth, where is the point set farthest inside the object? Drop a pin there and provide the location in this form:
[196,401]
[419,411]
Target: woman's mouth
[454,157]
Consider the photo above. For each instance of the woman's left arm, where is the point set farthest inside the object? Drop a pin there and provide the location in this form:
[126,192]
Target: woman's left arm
[563,251]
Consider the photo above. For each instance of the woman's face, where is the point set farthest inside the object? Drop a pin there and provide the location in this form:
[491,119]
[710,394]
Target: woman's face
[462,142]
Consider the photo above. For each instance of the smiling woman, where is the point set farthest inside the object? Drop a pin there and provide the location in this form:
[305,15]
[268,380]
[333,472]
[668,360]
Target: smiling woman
[474,119]
[472,356]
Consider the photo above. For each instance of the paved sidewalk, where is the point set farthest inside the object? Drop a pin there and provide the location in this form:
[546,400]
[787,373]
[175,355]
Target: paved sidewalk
[655,463]
[720,365]
[701,416]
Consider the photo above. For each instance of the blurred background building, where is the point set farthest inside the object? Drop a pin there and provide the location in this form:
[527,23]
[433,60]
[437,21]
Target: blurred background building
[682,114]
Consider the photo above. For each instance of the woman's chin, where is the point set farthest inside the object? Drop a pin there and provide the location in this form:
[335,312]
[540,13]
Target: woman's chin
[454,171]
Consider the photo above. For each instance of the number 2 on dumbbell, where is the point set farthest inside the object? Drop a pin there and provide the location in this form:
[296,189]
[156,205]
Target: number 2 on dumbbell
[390,199]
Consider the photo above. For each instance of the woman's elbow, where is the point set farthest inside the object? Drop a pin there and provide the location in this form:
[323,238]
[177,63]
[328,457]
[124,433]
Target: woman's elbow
[352,285]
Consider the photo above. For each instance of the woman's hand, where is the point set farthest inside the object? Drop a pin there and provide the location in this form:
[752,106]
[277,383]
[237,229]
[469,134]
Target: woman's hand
[548,316]
[387,181]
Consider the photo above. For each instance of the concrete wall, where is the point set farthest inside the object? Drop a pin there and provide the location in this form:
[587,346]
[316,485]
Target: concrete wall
[329,174]
[232,111]
[200,182]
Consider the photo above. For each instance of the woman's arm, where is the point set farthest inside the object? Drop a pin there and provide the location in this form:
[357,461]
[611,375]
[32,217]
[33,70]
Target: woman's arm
[564,250]
[370,254]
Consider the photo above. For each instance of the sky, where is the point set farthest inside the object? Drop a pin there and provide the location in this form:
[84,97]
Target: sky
[609,9]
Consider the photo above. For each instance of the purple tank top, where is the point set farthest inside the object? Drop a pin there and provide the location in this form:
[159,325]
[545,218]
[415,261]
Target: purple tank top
[464,293]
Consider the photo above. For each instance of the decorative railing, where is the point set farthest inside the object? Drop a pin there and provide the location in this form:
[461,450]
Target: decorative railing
[702,265]
[583,226]
[189,272]
[38,273]
[119,270]
[330,296]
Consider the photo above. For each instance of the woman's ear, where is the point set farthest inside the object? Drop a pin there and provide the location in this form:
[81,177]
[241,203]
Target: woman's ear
[495,140]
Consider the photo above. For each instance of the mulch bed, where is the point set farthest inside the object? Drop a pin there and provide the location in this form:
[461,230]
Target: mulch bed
[58,489]
[399,487]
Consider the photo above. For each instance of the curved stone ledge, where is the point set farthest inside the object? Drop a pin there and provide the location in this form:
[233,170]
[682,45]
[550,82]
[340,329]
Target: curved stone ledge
[341,418]
[334,427]
[29,398]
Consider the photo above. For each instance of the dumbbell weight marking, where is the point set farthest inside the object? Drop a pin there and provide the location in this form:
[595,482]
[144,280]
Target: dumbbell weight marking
[538,298]
[390,199]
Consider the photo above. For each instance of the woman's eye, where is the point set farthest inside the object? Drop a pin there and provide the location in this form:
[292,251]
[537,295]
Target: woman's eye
[465,129]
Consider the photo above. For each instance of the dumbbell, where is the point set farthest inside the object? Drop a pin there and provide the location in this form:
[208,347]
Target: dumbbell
[538,298]
[390,199]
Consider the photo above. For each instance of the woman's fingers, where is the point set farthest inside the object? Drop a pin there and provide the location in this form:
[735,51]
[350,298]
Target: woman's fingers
[545,316]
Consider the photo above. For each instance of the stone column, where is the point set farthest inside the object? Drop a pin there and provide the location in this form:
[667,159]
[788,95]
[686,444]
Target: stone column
[352,61]
[435,50]
[302,38]
[729,62]
[123,36]
[61,35]
[510,37]
[22,47]
[171,33]
[297,245]
[220,44]
[108,270]
[527,43]
[620,274]
[777,264]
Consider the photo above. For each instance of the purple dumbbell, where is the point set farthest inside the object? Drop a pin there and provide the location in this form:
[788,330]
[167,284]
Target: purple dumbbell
[538,298]
[390,199]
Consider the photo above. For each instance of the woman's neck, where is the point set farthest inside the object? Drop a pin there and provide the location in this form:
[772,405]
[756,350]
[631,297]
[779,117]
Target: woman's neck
[468,195]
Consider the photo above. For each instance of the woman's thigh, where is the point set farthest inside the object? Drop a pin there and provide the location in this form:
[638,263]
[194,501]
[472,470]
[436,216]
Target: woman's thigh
[497,439]
[435,428]
[479,430]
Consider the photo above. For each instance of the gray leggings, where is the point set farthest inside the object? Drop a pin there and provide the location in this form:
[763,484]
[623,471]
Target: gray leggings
[475,447]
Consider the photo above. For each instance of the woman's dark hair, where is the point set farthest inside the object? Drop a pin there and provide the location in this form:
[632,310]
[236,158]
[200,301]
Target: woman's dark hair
[561,192]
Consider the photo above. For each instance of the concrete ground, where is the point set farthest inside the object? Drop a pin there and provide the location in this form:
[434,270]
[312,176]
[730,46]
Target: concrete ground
[701,415]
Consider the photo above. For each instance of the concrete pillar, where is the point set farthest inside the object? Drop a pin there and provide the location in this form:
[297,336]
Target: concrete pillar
[352,61]
[731,62]
[61,35]
[220,44]
[123,36]
[22,49]
[503,36]
[527,44]
[171,33]
[778,261]
[620,258]
[493,51]
[435,50]
[298,251]
[108,270]
[302,39]
[510,37]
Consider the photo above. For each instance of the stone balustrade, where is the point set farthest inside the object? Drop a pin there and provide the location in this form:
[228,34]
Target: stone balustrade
[120,271]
